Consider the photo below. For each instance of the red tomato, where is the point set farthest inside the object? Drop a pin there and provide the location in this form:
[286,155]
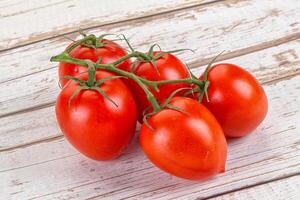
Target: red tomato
[188,145]
[108,53]
[236,99]
[169,68]
[93,124]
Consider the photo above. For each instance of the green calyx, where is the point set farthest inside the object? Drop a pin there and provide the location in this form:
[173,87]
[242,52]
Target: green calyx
[91,83]
[90,41]
[165,104]
[94,42]
[202,86]
[149,57]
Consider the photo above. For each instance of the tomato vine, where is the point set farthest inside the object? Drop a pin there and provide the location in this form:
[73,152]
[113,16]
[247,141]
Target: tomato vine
[95,42]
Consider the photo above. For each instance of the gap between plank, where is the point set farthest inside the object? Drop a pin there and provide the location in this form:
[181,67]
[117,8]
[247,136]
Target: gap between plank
[116,22]
[48,139]
[248,50]
[254,185]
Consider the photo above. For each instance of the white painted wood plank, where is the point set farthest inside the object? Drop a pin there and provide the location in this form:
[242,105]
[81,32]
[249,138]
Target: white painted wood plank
[24,22]
[284,189]
[36,125]
[54,170]
[200,29]
[28,127]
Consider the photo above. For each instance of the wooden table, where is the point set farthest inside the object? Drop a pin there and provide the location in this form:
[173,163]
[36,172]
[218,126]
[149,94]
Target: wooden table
[36,162]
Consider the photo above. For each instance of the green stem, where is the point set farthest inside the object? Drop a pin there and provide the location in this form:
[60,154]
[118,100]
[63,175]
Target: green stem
[135,54]
[91,74]
[137,79]
[185,80]
[65,57]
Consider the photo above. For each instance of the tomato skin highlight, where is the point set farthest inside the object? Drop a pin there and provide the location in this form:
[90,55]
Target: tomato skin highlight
[190,146]
[108,53]
[169,68]
[94,125]
[236,99]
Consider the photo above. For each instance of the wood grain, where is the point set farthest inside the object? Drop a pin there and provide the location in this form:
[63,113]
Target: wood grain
[38,20]
[39,76]
[32,126]
[196,24]
[284,189]
[37,162]
[271,152]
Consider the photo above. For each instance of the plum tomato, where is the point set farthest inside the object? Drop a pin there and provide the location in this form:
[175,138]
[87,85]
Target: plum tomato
[236,99]
[92,123]
[110,52]
[168,67]
[189,144]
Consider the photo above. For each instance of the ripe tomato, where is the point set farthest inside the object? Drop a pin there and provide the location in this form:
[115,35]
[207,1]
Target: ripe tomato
[236,99]
[108,53]
[188,144]
[92,123]
[169,67]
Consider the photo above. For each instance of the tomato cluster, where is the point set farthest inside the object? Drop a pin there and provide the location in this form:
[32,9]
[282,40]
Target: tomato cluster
[185,120]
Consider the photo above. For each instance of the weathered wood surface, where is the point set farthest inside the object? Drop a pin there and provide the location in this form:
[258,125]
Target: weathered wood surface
[284,189]
[200,25]
[267,65]
[30,21]
[52,169]
[37,162]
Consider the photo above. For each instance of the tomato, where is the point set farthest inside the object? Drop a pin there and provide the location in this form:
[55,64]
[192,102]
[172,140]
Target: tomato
[236,99]
[169,67]
[188,144]
[108,53]
[92,123]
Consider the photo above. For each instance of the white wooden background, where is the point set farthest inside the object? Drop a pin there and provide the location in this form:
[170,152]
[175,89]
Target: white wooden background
[36,162]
